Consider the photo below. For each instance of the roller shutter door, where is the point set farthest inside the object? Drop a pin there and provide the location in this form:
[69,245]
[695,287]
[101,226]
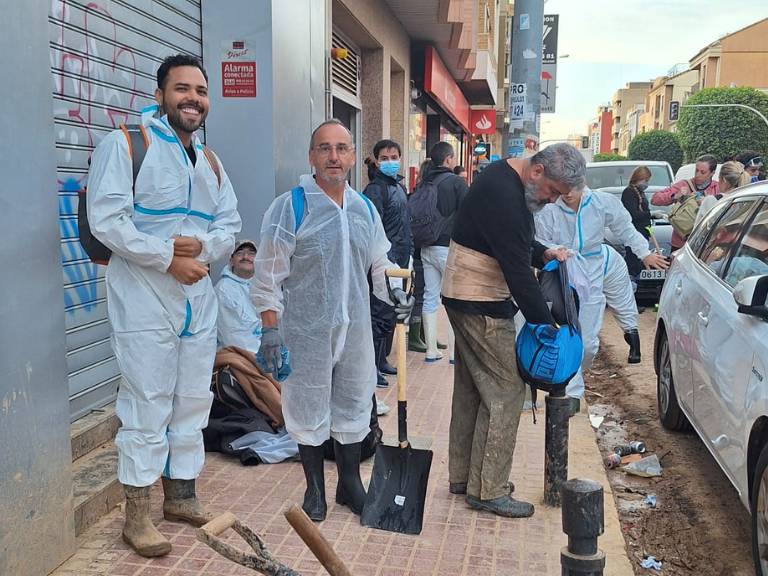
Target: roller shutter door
[104,55]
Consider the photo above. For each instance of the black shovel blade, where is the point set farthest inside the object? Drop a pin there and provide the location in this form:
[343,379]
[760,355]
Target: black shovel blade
[398,490]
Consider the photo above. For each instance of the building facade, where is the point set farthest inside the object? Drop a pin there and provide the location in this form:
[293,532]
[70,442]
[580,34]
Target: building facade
[661,112]
[623,103]
[738,59]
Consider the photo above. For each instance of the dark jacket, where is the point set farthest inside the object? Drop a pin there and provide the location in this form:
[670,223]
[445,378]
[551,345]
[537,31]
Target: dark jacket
[389,197]
[451,193]
[637,205]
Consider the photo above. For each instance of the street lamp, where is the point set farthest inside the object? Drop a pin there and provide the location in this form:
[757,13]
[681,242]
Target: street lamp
[762,117]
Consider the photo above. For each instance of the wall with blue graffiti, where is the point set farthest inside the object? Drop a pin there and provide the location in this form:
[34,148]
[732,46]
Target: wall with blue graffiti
[104,56]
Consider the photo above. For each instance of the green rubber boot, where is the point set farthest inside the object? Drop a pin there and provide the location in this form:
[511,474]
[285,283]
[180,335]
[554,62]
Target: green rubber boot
[415,341]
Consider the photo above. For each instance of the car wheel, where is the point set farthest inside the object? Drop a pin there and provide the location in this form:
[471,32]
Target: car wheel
[759,509]
[670,414]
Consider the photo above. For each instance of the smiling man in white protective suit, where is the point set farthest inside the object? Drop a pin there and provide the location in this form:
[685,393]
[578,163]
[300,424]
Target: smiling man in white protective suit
[318,244]
[180,216]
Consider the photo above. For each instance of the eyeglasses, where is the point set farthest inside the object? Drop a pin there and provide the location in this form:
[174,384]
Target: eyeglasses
[341,149]
[756,162]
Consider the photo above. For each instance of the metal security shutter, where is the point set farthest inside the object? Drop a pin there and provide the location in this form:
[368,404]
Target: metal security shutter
[345,72]
[104,55]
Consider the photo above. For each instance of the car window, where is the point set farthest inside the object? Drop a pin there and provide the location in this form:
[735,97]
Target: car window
[702,230]
[612,175]
[724,235]
[751,256]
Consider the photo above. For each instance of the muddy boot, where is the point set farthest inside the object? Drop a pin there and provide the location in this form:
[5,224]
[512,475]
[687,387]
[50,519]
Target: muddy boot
[415,341]
[349,491]
[503,506]
[632,337]
[139,532]
[314,497]
[181,503]
[461,487]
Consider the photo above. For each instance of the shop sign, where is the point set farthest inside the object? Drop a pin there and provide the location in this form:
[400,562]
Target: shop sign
[517,94]
[443,88]
[238,71]
[483,121]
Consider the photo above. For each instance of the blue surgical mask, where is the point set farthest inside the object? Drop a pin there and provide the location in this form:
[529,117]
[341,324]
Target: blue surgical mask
[754,178]
[390,167]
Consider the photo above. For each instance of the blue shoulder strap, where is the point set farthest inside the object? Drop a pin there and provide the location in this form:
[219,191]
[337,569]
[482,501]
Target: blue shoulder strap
[297,201]
[369,204]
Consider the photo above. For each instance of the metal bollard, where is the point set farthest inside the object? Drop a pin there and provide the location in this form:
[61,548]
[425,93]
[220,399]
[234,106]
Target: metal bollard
[583,522]
[556,447]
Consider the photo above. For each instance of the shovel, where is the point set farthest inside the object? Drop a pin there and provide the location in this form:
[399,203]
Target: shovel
[398,488]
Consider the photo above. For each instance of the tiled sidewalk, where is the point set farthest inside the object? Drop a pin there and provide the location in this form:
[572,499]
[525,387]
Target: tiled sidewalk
[456,541]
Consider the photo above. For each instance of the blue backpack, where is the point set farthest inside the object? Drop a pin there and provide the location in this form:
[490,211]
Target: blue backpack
[547,356]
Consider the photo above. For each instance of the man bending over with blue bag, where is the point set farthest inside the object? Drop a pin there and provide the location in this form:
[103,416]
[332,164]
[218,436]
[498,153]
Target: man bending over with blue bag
[488,278]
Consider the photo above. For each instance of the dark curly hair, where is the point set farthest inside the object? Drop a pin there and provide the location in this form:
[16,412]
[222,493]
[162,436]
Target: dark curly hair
[174,62]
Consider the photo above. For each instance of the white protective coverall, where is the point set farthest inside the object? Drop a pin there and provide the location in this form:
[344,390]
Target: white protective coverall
[315,278]
[239,323]
[583,231]
[164,332]
[617,287]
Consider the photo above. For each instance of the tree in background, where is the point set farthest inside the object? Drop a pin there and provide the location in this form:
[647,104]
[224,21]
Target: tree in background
[657,145]
[607,157]
[723,132]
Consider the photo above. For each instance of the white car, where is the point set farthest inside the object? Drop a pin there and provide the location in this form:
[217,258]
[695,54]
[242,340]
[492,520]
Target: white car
[711,348]
[687,171]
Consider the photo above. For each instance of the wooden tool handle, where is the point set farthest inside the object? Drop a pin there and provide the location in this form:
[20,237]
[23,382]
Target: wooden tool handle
[398,273]
[219,524]
[316,542]
[402,345]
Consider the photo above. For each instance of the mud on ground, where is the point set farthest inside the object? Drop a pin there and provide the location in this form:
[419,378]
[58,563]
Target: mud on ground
[699,525]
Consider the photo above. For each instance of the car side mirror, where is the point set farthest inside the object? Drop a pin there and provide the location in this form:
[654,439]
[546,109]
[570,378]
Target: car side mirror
[751,295]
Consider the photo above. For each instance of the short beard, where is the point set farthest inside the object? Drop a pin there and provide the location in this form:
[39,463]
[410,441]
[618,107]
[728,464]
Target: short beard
[332,180]
[181,125]
[532,200]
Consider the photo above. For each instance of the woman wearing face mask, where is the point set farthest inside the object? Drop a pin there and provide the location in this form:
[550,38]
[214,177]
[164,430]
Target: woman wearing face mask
[634,200]
[732,175]
[387,194]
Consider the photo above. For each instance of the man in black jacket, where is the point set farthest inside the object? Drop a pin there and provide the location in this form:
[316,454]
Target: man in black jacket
[488,278]
[387,194]
[451,190]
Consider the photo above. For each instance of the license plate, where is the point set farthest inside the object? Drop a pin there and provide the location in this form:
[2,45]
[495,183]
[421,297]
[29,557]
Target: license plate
[653,274]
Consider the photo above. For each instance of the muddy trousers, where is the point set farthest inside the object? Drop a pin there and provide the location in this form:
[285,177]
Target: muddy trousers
[488,395]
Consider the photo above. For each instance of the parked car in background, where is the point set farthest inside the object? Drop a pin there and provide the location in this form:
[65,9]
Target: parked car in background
[711,347]
[613,177]
[686,172]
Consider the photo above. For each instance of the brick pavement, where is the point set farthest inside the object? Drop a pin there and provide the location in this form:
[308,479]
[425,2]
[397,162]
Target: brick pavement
[456,541]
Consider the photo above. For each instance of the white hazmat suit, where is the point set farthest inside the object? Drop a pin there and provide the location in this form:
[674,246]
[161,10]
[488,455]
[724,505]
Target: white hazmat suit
[239,323]
[315,278]
[583,231]
[164,332]
[617,287]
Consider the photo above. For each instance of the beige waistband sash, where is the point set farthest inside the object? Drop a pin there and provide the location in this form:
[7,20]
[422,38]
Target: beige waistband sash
[471,275]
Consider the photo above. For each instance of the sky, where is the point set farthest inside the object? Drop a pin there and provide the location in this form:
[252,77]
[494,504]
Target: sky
[612,42]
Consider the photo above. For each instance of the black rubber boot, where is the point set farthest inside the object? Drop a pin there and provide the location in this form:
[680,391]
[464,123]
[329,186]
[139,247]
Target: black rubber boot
[632,337]
[384,366]
[415,339]
[349,491]
[314,498]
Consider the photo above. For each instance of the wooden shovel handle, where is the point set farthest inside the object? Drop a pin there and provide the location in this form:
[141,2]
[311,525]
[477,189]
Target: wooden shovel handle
[219,524]
[316,542]
[398,273]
